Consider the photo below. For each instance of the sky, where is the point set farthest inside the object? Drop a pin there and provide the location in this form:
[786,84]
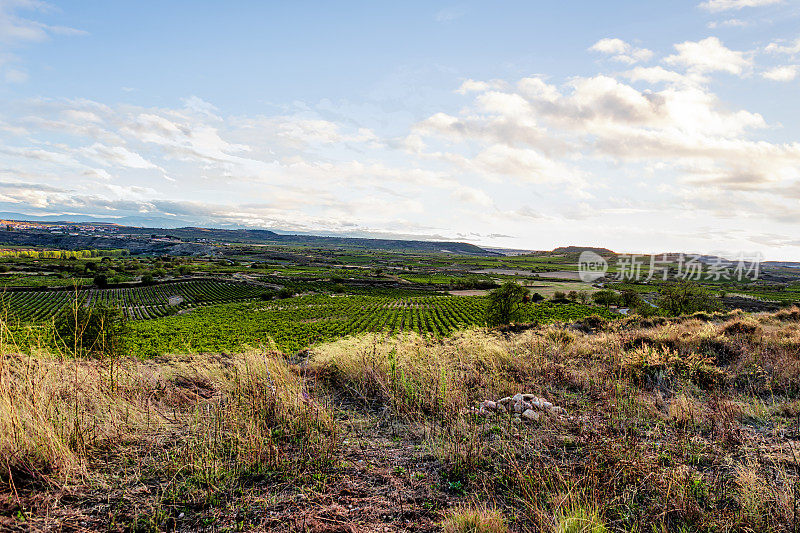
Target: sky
[637,126]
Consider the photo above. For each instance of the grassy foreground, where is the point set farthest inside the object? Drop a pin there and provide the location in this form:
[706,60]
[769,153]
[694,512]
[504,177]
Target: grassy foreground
[689,424]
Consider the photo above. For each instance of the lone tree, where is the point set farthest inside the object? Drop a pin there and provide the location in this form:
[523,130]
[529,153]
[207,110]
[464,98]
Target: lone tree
[685,297]
[605,297]
[505,304]
[631,299]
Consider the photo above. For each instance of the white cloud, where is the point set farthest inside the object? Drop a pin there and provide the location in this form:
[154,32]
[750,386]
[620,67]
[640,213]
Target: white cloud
[14,75]
[778,47]
[621,51]
[449,14]
[318,131]
[116,155]
[782,73]
[472,195]
[182,137]
[729,23]
[16,31]
[198,105]
[610,46]
[659,74]
[727,5]
[527,164]
[469,86]
[681,130]
[709,55]
[296,172]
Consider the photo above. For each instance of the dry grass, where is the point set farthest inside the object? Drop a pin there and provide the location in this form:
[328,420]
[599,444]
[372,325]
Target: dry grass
[685,424]
[54,411]
[660,413]
[203,418]
[474,519]
[578,519]
[416,375]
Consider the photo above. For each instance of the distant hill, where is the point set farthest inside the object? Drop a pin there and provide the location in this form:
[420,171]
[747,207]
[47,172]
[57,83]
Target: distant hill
[136,239]
[255,236]
[573,252]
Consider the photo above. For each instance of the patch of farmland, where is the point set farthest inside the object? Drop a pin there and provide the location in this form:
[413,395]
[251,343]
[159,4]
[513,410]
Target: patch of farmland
[561,274]
[297,323]
[548,289]
[137,303]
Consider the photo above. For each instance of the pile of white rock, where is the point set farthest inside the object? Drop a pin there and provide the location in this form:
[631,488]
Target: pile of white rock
[526,407]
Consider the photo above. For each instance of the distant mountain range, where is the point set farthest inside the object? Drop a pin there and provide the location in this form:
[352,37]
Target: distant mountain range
[208,237]
[140,221]
[256,236]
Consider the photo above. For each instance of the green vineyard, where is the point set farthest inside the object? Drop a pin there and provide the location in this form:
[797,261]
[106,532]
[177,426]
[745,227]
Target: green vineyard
[296,323]
[227,315]
[144,302]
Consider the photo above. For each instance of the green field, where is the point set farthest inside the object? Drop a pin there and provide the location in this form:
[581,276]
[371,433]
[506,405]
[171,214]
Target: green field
[141,302]
[294,324]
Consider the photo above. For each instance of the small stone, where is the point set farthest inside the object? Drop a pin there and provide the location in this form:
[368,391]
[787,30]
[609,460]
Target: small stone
[517,398]
[505,400]
[546,405]
[489,404]
[536,403]
[525,405]
[518,407]
[531,415]
[501,408]
[558,410]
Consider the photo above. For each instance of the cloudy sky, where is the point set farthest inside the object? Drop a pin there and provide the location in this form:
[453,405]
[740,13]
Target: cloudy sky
[639,126]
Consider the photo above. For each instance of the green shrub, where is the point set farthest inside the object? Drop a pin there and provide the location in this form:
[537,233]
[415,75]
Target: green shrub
[579,520]
[474,520]
[94,330]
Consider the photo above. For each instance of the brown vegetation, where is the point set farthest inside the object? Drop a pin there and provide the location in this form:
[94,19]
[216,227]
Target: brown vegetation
[686,424]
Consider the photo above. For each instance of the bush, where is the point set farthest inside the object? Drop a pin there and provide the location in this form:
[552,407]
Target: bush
[579,520]
[474,520]
[593,323]
[631,299]
[505,304]
[94,330]
[605,297]
[684,298]
[572,296]
[285,293]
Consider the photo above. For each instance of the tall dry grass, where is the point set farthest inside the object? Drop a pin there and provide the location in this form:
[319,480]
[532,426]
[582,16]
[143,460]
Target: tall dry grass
[413,374]
[667,418]
[57,414]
